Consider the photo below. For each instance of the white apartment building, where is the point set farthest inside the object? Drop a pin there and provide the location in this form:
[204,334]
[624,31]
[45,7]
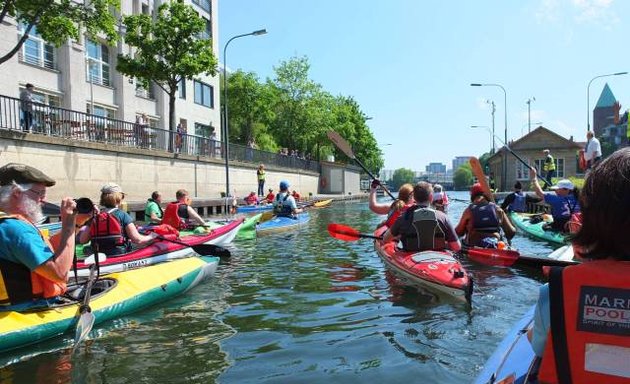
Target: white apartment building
[61,76]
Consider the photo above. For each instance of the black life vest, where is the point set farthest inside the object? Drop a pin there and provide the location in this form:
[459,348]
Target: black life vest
[485,217]
[281,208]
[426,232]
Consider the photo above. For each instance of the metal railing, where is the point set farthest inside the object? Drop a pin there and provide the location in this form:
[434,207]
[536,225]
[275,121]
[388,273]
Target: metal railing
[64,123]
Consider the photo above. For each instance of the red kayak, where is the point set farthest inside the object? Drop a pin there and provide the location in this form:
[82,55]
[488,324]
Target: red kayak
[159,251]
[436,270]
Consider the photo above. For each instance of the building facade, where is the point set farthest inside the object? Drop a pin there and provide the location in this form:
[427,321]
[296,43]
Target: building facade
[436,168]
[81,76]
[458,161]
[529,148]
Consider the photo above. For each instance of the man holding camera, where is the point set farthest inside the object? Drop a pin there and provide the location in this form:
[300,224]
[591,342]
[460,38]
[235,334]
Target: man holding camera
[30,267]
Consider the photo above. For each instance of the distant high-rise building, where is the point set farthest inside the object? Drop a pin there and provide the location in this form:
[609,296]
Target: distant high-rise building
[458,161]
[436,168]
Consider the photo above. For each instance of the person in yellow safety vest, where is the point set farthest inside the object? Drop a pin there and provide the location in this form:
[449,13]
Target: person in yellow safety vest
[30,269]
[261,180]
[549,168]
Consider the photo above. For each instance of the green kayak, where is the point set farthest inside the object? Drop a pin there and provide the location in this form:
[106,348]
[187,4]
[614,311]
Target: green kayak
[245,231]
[535,230]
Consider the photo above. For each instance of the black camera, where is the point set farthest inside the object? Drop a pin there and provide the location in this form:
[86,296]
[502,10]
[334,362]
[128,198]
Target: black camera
[84,205]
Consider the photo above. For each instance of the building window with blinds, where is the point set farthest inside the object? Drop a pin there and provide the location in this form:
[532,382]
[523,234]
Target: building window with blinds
[35,50]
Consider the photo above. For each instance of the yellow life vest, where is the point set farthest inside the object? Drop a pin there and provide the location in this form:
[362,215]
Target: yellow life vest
[549,164]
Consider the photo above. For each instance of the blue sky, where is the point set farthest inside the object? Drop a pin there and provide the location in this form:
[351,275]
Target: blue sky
[409,63]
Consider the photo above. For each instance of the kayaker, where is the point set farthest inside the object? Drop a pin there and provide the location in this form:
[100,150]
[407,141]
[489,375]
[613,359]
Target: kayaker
[440,199]
[260,174]
[270,196]
[564,201]
[284,204]
[179,214]
[517,201]
[483,220]
[394,209]
[251,199]
[153,210]
[111,230]
[422,228]
[549,167]
[296,195]
[585,307]
[30,268]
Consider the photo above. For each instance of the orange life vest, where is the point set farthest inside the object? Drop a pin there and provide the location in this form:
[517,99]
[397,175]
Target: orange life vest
[18,284]
[589,339]
[172,217]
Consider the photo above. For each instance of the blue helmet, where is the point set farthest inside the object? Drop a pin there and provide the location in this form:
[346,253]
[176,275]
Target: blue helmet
[284,185]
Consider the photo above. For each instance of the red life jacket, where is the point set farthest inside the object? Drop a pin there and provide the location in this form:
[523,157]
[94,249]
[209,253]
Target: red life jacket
[396,214]
[589,338]
[172,217]
[18,284]
[106,231]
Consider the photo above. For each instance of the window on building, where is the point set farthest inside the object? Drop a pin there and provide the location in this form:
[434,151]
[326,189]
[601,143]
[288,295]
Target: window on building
[204,94]
[36,50]
[538,163]
[101,111]
[207,33]
[146,92]
[98,66]
[522,172]
[182,89]
[204,4]
[203,129]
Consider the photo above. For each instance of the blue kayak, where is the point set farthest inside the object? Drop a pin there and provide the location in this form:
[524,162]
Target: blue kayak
[282,223]
[254,208]
[514,357]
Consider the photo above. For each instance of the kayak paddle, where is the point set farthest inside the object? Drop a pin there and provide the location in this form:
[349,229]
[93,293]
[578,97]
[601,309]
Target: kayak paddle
[86,317]
[202,249]
[345,147]
[345,233]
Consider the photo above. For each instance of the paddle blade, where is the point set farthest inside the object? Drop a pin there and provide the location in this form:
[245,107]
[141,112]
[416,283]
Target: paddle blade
[477,170]
[493,257]
[341,143]
[266,216]
[343,232]
[84,326]
[212,250]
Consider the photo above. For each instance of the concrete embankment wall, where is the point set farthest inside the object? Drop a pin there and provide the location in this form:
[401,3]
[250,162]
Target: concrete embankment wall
[81,168]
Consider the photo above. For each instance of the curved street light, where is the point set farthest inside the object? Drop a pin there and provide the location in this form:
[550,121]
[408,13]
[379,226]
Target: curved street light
[225,107]
[588,99]
[504,171]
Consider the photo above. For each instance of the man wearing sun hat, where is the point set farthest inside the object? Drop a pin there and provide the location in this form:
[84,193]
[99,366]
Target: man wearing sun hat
[563,201]
[29,266]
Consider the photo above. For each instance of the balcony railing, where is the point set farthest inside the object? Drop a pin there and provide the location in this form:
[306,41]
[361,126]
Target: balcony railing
[64,123]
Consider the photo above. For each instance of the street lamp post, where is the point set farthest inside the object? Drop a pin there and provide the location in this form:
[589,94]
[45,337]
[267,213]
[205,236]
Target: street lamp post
[226,140]
[588,99]
[494,109]
[529,114]
[504,171]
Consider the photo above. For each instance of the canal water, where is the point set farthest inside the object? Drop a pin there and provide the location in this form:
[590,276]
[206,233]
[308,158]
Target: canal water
[299,308]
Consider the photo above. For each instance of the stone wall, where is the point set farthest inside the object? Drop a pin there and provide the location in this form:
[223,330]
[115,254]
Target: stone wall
[81,168]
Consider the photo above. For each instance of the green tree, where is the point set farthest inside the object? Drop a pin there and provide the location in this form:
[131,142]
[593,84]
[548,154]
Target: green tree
[57,21]
[250,113]
[462,178]
[168,49]
[402,176]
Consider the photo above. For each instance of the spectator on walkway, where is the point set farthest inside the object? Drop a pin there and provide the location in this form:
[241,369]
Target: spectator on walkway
[592,150]
[260,173]
[179,138]
[26,103]
[549,168]
[139,133]
[213,143]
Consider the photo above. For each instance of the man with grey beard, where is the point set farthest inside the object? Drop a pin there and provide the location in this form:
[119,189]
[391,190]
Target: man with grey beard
[29,266]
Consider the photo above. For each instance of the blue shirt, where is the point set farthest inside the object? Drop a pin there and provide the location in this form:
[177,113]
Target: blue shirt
[562,206]
[542,321]
[21,243]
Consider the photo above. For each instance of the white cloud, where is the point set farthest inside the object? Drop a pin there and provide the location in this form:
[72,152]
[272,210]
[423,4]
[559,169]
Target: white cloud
[577,11]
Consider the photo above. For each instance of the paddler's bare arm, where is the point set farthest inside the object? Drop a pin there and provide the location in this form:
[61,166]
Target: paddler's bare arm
[56,268]
[194,216]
